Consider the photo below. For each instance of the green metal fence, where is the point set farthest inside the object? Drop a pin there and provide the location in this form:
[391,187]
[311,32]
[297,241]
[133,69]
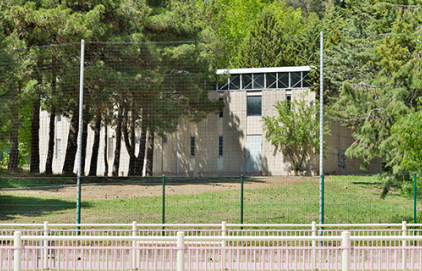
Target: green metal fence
[280,199]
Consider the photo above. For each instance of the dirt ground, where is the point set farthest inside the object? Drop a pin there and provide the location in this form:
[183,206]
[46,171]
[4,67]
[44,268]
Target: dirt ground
[126,190]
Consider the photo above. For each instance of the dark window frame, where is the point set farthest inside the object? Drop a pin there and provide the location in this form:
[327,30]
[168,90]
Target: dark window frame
[192,146]
[251,106]
[289,100]
[220,146]
[221,114]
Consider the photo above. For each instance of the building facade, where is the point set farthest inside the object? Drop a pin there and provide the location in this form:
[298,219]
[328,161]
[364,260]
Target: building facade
[231,142]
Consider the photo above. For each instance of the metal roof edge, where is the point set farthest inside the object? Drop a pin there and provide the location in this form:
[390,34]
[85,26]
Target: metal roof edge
[264,70]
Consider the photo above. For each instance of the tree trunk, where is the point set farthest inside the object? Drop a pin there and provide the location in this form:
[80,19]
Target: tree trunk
[139,165]
[35,138]
[35,125]
[132,156]
[139,162]
[72,145]
[96,145]
[51,133]
[84,144]
[13,164]
[116,162]
[50,152]
[150,154]
[129,143]
[105,145]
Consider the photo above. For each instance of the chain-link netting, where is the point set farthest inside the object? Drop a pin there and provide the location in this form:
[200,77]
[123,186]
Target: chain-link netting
[166,109]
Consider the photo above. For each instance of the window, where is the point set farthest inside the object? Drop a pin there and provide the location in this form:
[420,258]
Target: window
[247,81]
[221,113]
[289,100]
[164,138]
[234,82]
[259,79]
[58,148]
[306,80]
[296,79]
[283,80]
[192,146]
[220,146]
[59,117]
[254,106]
[271,80]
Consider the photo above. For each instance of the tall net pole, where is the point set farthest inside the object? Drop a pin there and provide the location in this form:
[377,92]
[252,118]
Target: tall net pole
[81,99]
[321,132]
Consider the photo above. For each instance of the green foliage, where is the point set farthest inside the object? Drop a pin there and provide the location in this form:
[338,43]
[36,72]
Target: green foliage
[381,85]
[259,33]
[407,188]
[295,130]
[409,130]
[270,42]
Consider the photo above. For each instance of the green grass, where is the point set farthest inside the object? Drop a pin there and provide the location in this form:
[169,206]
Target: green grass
[22,181]
[348,199]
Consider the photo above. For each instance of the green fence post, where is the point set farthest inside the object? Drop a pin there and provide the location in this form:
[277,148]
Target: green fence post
[321,205]
[78,205]
[164,203]
[78,202]
[241,200]
[321,214]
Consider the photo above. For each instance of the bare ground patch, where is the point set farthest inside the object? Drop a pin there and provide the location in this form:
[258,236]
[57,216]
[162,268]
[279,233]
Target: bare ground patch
[127,190]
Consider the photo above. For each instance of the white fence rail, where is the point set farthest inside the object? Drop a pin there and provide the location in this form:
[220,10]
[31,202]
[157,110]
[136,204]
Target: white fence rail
[209,247]
[209,252]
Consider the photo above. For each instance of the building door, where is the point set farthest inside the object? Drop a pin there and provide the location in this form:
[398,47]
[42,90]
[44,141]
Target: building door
[253,153]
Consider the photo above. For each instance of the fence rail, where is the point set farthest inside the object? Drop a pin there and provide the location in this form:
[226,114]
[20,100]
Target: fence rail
[208,252]
[259,248]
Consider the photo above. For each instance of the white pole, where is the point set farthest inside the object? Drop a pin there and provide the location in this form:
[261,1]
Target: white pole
[223,244]
[180,251]
[345,243]
[18,251]
[81,102]
[404,243]
[314,234]
[45,244]
[134,244]
[321,130]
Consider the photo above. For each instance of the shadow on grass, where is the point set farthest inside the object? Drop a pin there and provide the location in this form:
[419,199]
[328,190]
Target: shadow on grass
[46,182]
[12,206]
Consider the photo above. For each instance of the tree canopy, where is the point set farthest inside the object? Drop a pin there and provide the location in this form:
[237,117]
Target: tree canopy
[170,49]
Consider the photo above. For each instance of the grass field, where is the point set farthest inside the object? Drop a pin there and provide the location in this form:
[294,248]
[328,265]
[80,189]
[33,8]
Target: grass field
[348,199]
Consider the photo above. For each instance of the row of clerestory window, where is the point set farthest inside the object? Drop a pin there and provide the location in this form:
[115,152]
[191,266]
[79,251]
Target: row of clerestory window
[276,80]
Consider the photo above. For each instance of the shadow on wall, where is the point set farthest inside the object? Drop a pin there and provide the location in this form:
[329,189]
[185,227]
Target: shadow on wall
[309,167]
[235,149]
[207,161]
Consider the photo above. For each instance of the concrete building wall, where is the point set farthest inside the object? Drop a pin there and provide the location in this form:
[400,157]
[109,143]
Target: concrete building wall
[172,153]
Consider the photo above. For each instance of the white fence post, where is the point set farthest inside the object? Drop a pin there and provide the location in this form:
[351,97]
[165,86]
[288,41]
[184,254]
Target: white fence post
[404,243]
[134,245]
[18,251]
[180,251]
[45,244]
[314,234]
[223,244]
[345,243]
